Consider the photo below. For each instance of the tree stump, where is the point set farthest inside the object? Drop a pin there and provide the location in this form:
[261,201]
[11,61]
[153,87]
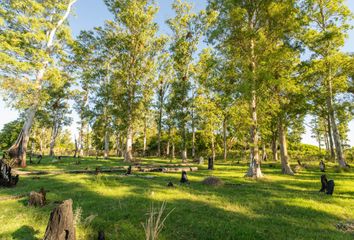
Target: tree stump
[37,199]
[6,178]
[210,163]
[61,223]
[184,178]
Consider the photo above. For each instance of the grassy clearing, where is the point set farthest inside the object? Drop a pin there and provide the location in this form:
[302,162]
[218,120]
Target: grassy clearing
[278,207]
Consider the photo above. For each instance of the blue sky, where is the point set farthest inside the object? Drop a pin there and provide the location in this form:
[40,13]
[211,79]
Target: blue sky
[91,13]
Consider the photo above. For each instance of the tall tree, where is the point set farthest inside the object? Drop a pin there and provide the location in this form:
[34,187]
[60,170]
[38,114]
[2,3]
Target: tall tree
[324,37]
[33,35]
[187,29]
[138,43]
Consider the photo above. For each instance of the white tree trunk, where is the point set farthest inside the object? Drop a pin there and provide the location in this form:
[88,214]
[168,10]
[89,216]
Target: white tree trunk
[128,157]
[224,127]
[255,166]
[106,144]
[286,169]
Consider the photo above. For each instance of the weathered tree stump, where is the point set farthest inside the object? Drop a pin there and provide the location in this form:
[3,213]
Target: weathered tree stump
[129,170]
[210,163]
[37,199]
[6,178]
[61,223]
[327,185]
[184,178]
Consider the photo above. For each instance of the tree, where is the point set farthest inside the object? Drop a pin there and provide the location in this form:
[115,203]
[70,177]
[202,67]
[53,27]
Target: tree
[165,76]
[135,34]
[32,38]
[324,36]
[187,30]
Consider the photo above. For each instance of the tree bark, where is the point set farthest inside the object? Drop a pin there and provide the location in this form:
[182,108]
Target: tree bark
[128,157]
[144,148]
[159,131]
[118,144]
[331,145]
[106,144]
[17,151]
[53,137]
[61,223]
[224,127]
[255,166]
[274,146]
[336,136]
[284,157]
[213,148]
[173,150]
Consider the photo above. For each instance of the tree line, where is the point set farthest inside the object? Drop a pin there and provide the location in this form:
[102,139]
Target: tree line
[267,65]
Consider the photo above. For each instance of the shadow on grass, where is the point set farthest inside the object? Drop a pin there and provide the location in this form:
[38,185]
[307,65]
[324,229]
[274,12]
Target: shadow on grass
[24,232]
[254,210]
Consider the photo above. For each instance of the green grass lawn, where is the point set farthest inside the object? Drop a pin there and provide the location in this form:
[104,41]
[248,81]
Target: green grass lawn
[277,207]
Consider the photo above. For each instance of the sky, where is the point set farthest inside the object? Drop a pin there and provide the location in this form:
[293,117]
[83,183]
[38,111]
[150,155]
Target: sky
[93,13]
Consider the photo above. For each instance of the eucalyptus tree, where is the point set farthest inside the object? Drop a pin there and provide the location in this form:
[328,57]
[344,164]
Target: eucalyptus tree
[136,33]
[207,100]
[58,110]
[187,28]
[325,34]
[164,78]
[85,67]
[33,35]
[242,33]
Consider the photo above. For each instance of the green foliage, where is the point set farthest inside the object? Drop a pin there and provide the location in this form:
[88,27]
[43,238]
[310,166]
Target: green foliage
[9,133]
[27,48]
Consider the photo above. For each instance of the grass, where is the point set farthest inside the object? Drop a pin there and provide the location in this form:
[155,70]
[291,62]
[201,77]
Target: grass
[277,207]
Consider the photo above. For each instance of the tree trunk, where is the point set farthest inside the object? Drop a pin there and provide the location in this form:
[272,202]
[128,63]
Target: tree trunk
[284,157]
[129,145]
[255,166]
[106,144]
[144,147]
[184,145]
[264,153]
[159,132]
[184,155]
[17,151]
[274,147]
[213,148]
[193,135]
[61,223]
[336,136]
[173,150]
[53,137]
[193,140]
[76,148]
[168,148]
[224,127]
[41,141]
[118,144]
[331,145]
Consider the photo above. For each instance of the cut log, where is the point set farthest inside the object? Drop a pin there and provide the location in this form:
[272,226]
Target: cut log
[61,223]
[111,170]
